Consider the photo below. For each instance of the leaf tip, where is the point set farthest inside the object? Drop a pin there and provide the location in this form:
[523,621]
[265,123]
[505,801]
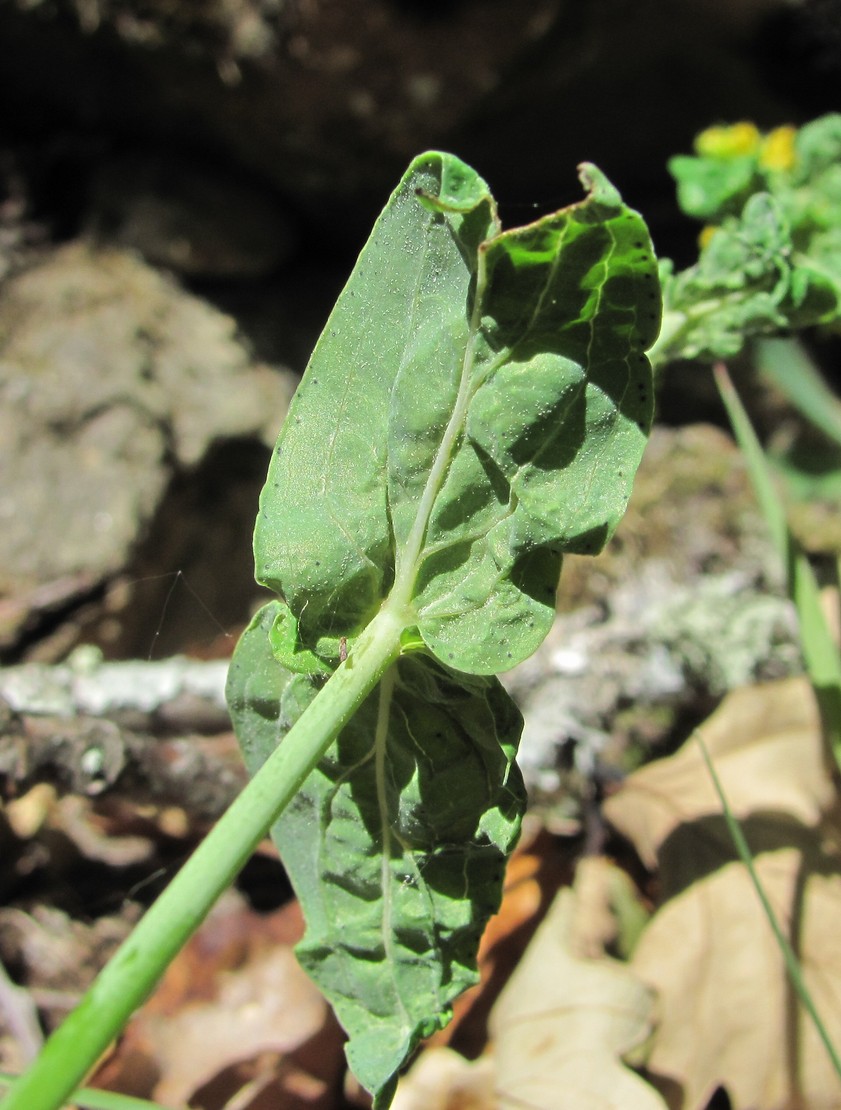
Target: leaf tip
[459,189]
[598,187]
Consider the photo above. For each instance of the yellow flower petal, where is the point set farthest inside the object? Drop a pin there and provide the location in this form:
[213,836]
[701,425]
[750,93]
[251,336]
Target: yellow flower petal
[778,151]
[728,142]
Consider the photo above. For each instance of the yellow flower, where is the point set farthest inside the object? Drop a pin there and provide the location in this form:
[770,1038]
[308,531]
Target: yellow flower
[704,236]
[778,151]
[728,142]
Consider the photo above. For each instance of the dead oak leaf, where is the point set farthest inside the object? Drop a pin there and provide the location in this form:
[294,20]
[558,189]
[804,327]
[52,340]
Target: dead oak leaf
[443,1080]
[766,745]
[563,1024]
[727,1014]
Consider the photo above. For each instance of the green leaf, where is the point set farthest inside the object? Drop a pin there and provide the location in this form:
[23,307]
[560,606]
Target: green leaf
[817,149]
[324,534]
[286,646]
[739,285]
[396,845]
[708,188]
[477,405]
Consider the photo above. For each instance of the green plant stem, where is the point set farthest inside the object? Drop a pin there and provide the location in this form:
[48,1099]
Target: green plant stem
[90,1099]
[789,956]
[677,326]
[666,347]
[136,967]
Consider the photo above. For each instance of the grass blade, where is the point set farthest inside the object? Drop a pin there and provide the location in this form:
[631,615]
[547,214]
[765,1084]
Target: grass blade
[792,964]
[785,363]
[820,655]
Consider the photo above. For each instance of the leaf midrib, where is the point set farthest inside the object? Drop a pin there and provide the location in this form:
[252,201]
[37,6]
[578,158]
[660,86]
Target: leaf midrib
[409,556]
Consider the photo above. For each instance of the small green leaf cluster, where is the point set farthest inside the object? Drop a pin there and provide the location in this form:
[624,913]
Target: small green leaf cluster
[770,258]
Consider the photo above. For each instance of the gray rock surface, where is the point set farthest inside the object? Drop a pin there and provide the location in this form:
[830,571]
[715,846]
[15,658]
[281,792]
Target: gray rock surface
[113,380]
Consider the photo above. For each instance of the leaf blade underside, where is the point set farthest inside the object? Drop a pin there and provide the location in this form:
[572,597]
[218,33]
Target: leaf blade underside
[396,845]
[476,406]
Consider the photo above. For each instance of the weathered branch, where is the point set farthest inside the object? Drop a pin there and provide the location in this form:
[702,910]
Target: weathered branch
[158,731]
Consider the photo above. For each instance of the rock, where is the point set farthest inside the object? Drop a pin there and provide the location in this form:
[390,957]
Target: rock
[115,383]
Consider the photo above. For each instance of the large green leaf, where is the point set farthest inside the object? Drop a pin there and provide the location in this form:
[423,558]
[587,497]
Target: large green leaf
[477,405]
[396,844]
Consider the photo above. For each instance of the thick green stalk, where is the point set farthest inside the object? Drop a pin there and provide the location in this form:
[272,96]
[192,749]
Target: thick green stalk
[137,966]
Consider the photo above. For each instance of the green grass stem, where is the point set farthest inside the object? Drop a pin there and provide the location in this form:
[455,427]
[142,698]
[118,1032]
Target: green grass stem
[792,964]
[785,363]
[820,655]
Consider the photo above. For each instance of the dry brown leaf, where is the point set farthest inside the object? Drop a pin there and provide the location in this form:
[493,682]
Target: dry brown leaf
[444,1080]
[727,1014]
[563,1024]
[593,927]
[270,1003]
[238,973]
[766,746]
